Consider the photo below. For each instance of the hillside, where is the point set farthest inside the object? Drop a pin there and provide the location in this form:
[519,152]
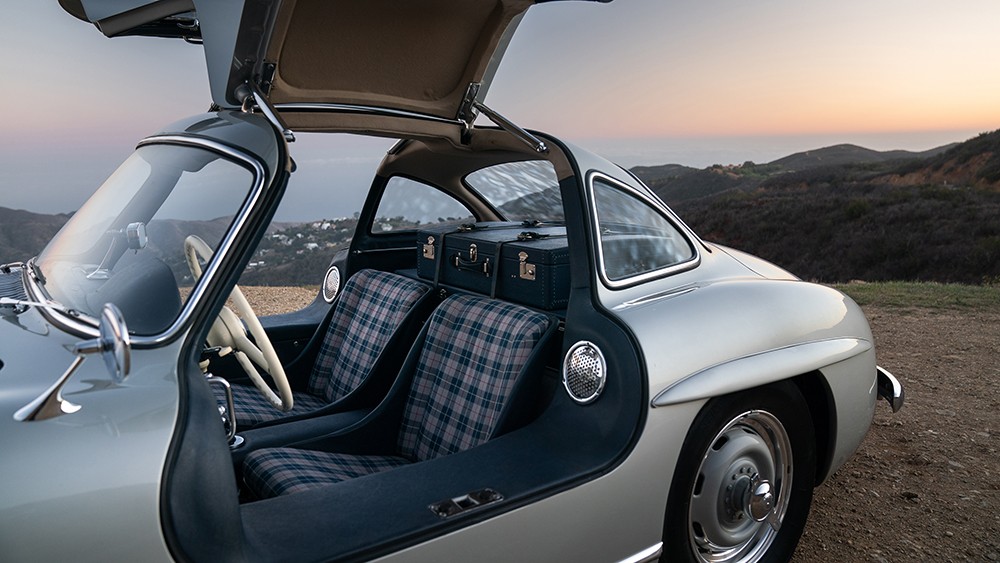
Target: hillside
[931,219]
[975,162]
[23,234]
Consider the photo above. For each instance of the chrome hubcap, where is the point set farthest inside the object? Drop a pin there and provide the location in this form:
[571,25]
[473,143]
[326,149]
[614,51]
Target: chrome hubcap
[741,493]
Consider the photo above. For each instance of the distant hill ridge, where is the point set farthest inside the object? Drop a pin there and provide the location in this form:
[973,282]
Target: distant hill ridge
[838,155]
[675,182]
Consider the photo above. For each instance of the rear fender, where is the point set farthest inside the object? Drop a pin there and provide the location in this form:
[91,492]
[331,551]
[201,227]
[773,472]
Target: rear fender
[760,369]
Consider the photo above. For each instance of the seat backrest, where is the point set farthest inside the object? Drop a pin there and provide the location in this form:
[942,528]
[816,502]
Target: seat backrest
[473,354]
[372,306]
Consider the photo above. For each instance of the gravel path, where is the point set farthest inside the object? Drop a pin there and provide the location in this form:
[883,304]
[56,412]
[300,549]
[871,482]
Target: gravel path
[925,484]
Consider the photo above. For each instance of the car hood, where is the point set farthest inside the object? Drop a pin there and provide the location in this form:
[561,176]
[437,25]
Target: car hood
[416,56]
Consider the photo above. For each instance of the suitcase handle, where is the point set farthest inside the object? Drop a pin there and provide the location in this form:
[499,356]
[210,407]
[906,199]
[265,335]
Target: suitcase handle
[471,265]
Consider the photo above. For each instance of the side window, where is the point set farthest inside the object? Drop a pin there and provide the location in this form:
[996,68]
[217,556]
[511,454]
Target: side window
[521,191]
[409,204]
[635,238]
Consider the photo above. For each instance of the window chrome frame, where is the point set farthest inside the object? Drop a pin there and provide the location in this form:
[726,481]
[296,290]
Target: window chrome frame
[658,207]
[87,326]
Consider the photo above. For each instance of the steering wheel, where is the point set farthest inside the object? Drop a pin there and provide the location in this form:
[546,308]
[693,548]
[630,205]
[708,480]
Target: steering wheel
[227,330]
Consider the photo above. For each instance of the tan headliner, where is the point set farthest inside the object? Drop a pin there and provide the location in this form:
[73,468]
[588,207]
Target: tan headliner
[415,55]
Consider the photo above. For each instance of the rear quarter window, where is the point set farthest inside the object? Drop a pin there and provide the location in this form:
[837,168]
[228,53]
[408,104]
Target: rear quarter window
[635,238]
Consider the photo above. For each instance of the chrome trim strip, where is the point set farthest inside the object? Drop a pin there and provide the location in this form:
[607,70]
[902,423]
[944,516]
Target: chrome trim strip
[81,323]
[665,212]
[651,553]
[890,389]
[371,110]
[211,269]
[674,292]
[230,414]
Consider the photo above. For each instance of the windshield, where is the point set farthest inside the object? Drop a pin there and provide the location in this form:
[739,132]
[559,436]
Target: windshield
[126,244]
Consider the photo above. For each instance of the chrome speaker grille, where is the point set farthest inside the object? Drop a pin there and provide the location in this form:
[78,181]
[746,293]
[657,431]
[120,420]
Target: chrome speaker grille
[331,284]
[584,372]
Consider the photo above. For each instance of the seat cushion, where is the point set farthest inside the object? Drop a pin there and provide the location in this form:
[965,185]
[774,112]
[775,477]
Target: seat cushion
[372,306]
[474,352]
[271,472]
[252,408]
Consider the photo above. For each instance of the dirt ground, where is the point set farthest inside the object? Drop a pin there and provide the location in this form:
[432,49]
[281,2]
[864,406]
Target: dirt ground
[925,484]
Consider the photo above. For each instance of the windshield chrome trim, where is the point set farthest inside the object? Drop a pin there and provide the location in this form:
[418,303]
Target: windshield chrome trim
[82,324]
[595,226]
[317,107]
[87,325]
[212,268]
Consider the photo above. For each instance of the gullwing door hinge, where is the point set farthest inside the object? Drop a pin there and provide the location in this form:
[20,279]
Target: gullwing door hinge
[250,95]
[471,108]
[467,112]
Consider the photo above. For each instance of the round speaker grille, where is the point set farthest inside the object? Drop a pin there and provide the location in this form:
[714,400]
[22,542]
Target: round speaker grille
[331,284]
[584,372]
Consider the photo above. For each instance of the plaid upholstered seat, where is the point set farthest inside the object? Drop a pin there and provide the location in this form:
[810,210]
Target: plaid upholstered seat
[473,354]
[372,306]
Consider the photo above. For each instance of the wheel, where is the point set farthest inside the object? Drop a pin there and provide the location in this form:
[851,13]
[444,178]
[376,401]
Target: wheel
[227,330]
[744,479]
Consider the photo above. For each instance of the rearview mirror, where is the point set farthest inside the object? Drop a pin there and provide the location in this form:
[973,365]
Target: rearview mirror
[113,343]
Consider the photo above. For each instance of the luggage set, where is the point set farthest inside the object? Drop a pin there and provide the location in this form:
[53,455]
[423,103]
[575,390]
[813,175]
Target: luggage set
[526,263]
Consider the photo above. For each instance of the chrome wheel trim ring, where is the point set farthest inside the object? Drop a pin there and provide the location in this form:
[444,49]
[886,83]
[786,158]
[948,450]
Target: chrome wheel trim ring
[751,448]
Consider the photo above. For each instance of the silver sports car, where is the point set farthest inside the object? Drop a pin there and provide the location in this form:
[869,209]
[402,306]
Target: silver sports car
[519,353]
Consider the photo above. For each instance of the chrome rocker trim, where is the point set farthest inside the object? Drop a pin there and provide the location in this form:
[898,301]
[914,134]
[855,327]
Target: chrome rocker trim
[651,553]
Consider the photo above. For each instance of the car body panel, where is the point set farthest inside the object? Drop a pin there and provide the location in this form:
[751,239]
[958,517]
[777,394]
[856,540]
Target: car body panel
[67,480]
[734,321]
[581,524]
[760,369]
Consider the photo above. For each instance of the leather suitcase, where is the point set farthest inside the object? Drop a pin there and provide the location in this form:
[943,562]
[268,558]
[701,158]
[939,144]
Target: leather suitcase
[523,263]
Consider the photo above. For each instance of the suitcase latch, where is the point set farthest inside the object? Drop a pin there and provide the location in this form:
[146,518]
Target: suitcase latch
[527,271]
[429,248]
[473,252]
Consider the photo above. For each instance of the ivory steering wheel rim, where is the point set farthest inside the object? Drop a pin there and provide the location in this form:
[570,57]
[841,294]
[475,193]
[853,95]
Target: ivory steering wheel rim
[227,330]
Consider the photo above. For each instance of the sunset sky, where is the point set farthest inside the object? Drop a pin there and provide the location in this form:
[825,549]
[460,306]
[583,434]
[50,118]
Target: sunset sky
[641,81]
